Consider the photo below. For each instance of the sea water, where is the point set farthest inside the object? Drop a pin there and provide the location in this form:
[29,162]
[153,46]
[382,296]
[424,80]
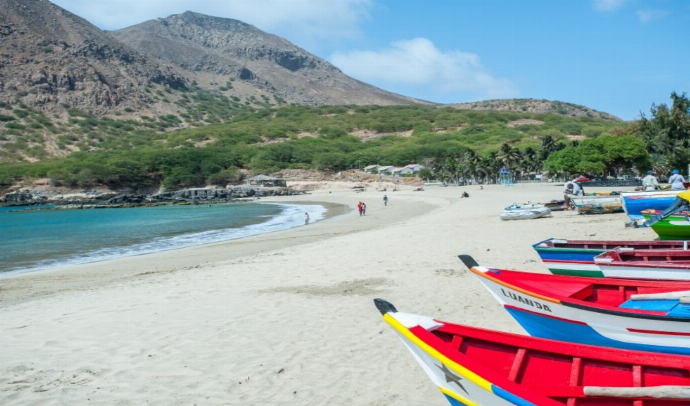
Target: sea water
[33,238]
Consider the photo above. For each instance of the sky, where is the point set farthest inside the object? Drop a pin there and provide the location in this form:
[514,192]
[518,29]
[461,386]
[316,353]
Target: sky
[616,56]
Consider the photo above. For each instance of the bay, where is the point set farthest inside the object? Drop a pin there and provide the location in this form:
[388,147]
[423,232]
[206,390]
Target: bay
[33,238]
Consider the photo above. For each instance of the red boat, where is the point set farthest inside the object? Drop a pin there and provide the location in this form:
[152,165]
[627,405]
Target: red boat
[671,264]
[473,366]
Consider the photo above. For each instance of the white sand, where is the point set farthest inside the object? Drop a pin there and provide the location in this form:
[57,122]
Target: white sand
[281,319]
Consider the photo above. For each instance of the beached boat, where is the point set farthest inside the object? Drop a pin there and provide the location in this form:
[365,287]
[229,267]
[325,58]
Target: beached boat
[623,313]
[657,264]
[556,205]
[673,227]
[576,257]
[524,211]
[635,202]
[479,367]
[597,203]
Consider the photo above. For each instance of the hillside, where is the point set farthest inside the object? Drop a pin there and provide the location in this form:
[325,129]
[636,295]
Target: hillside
[227,52]
[535,106]
[67,86]
[53,60]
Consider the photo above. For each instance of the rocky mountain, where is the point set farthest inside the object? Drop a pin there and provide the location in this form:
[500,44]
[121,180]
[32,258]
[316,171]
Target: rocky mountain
[218,50]
[53,60]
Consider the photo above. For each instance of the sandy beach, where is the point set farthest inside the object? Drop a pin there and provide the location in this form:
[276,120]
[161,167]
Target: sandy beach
[285,318]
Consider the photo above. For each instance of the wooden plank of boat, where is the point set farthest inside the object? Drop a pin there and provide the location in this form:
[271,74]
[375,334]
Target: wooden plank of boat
[659,264]
[576,257]
[479,367]
[596,311]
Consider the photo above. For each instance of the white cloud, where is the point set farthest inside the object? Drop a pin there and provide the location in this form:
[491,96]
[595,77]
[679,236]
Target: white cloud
[646,16]
[608,5]
[418,64]
[301,20]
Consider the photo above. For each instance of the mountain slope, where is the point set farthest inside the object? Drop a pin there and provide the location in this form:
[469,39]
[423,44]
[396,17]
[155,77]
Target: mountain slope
[54,60]
[220,49]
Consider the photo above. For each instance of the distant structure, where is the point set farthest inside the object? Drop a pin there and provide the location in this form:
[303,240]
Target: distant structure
[505,178]
[393,170]
[263,180]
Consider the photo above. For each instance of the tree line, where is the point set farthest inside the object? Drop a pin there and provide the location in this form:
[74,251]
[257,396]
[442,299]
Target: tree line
[452,144]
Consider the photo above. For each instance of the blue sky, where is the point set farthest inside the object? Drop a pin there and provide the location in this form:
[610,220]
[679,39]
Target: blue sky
[616,56]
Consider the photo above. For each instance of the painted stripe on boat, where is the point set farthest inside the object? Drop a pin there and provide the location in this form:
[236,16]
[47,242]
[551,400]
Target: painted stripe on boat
[466,373]
[668,333]
[545,315]
[635,313]
[456,397]
[507,285]
[510,397]
[577,272]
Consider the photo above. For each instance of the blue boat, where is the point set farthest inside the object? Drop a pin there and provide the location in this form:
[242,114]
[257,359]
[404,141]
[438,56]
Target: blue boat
[635,202]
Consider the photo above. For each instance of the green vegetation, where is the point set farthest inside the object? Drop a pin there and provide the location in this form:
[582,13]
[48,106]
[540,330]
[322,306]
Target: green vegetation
[667,134]
[451,143]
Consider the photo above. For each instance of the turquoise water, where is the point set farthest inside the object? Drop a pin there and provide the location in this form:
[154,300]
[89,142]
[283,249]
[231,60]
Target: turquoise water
[34,239]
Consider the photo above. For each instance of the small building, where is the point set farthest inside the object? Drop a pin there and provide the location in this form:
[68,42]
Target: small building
[371,168]
[402,171]
[414,168]
[386,170]
[266,181]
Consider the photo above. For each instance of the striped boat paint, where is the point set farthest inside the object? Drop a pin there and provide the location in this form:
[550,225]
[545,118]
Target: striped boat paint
[570,257]
[635,202]
[565,318]
[475,390]
[478,367]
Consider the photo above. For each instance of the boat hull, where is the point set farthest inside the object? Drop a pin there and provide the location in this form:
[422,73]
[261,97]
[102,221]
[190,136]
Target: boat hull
[477,367]
[576,257]
[658,264]
[597,204]
[474,390]
[671,228]
[635,202]
[548,318]
[524,212]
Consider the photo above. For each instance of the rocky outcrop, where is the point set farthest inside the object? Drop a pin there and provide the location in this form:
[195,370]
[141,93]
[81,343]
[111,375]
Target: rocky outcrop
[32,197]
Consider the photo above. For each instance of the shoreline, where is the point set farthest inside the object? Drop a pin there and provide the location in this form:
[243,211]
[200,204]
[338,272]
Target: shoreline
[26,286]
[282,318]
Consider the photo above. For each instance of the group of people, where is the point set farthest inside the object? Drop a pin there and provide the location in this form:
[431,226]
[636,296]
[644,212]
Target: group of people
[649,182]
[676,180]
[362,208]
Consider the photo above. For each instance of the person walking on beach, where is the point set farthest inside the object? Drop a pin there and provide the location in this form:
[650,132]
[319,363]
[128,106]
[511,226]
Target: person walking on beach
[364,209]
[676,180]
[385,200]
[650,182]
[306,218]
[360,207]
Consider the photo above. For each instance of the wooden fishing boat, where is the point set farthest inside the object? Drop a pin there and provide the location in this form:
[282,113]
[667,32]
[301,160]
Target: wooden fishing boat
[524,211]
[635,202]
[556,205]
[479,367]
[597,203]
[623,313]
[673,227]
[576,257]
[658,264]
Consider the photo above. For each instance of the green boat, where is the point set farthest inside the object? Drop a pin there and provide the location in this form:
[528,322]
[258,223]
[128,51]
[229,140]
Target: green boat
[673,227]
